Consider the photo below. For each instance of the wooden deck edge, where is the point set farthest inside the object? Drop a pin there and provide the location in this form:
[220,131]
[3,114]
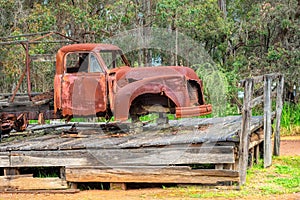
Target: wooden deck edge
[254,143]
[150,175]
[60,191]
[22,183]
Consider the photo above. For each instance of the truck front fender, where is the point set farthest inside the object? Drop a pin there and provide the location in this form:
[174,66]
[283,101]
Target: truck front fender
[174,87]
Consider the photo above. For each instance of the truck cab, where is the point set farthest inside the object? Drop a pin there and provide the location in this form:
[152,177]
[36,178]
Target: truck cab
[97,80]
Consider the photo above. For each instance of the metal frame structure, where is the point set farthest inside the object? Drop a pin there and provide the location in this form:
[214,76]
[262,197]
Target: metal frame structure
[26,45]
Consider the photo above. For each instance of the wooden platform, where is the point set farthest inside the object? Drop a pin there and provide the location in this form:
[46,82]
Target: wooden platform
[200,151]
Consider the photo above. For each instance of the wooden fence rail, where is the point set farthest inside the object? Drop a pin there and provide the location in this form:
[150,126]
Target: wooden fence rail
[250,102]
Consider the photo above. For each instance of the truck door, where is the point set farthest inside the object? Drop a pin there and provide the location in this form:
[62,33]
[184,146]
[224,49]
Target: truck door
[83,85]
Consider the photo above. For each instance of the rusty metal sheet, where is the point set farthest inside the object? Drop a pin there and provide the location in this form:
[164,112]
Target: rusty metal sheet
[12,121]
[60,56]
[83,94]
[172,86]
[173,82]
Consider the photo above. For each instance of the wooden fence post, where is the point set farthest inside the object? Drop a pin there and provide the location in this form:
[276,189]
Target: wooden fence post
[267,121]
[245,130]
[279,105]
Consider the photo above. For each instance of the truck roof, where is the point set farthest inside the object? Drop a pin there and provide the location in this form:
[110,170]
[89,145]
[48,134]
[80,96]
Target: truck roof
[80,47]
[88,47]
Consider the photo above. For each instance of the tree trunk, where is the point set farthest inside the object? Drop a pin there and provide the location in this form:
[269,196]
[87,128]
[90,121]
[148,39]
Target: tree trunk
[222,6]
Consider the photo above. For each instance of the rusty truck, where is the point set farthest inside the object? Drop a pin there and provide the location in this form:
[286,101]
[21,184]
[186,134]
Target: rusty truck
[97,80]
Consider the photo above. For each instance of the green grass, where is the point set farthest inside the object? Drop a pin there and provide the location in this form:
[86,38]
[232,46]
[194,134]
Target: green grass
[290,120]
[283,177]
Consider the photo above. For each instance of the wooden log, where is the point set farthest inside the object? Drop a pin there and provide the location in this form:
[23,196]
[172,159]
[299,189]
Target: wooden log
[257,154]
[4,159]
[255,143]
[118,186]
[21,183]
[47,191]
[256,79]
[51,158]
[11,171]
[257,101]
[267,121]
[260,99]
[245,130]
[149,175]
[251,156]
[219,166]
[165,156]
[73,185]
[124,157]
[279,105]
[228,166]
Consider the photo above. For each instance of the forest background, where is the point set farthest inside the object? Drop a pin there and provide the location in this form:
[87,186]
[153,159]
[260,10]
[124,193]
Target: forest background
[243,37]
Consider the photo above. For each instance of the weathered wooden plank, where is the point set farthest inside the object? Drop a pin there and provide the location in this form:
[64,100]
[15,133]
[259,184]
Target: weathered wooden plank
[257,101]
[245,130]
[118,186]
[4,159]
[11,171]
[267,121]
[182,136]
[164,156]
[255,143]
[150,175]
[226,129]
[47,191]
[49,126]
[30,143]
[125,157]
[258,79]
[21,183]
[52,158]
[257,154]
[279,104]
[260,99]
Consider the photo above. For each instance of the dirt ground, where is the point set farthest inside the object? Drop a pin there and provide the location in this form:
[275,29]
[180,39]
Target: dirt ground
[289,146]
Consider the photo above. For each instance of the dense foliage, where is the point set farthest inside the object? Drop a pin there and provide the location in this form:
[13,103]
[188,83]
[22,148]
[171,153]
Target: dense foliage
[243,37]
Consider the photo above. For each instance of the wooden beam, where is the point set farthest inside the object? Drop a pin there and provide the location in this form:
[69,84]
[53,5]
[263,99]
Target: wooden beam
[118,186]
[165,156]
[21,183]
[255,143]
[257,154]
[51,158]
[11,171]
[42,191]
[149,175]
[245,130]
[257,101]
[4,159]
[279,105]
[125,157]
[267,121]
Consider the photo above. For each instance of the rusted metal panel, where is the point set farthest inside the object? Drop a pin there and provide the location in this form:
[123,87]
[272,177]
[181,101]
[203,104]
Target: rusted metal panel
[89,47]
[83,94]
[57,92]
[171,86]
[12,121]
[173,82]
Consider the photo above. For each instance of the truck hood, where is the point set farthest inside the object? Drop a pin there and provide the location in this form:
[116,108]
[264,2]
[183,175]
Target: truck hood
[127,75]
